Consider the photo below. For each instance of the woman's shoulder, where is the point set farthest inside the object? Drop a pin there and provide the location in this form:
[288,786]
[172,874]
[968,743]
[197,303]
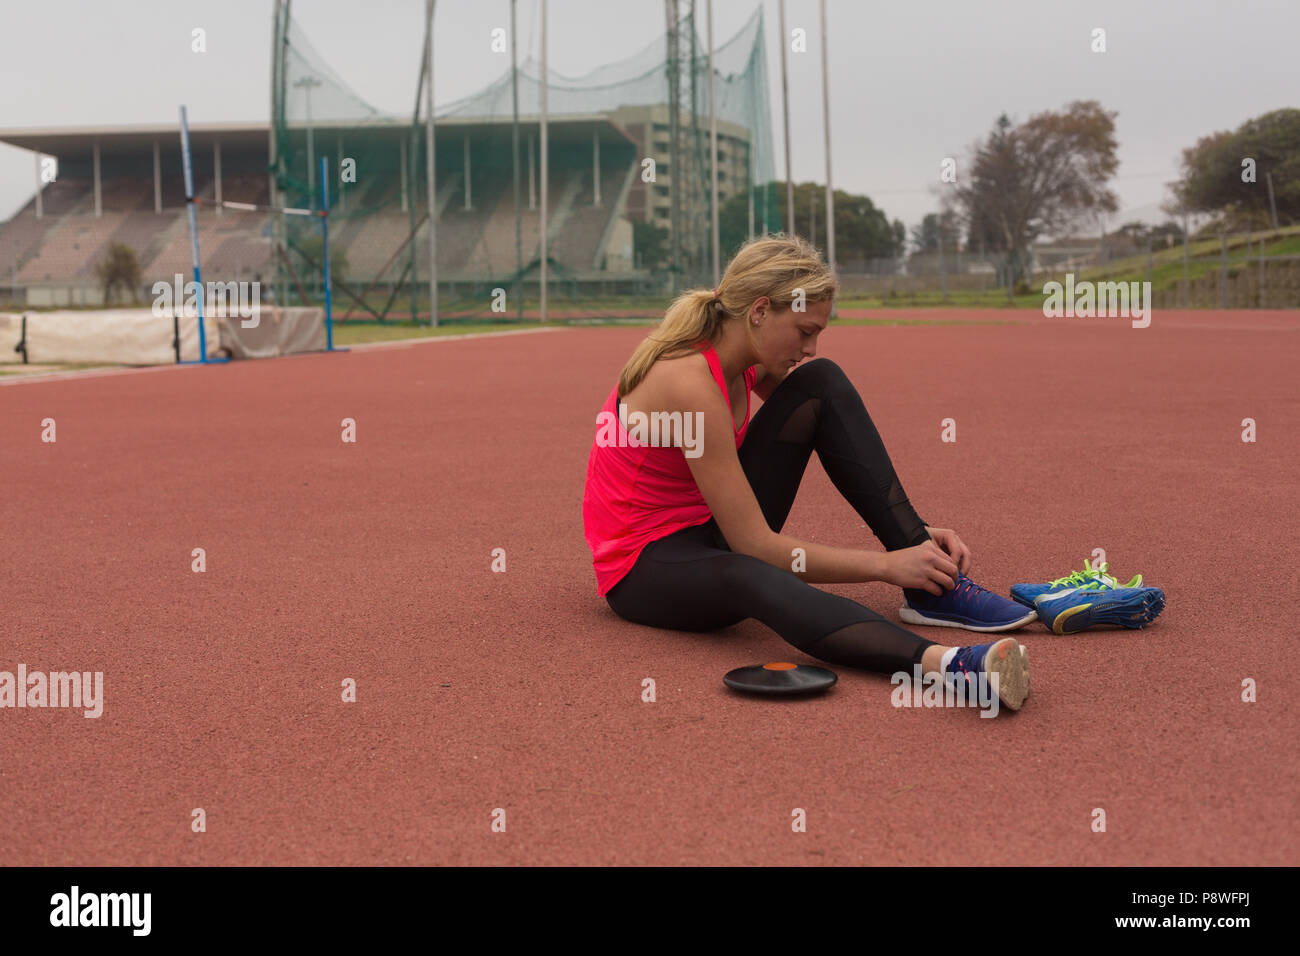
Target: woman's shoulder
[687,367]
[672,378]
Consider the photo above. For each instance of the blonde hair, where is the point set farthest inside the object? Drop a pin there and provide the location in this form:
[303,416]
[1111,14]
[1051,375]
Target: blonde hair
[773,267]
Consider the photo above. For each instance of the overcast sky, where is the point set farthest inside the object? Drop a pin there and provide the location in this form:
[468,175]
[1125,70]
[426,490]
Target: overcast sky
[911,82]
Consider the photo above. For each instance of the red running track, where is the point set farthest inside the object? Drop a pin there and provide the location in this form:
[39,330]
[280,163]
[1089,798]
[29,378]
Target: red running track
[521,690]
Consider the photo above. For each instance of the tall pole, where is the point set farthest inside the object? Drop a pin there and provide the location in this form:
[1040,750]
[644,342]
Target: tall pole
[278,41]
[785,109]
[514,146]
[216,174]
[308,83]
[749,183]
[40,212]
[678,179]
[1187,295]
[713,149]
[339,167]
[545,165]
[695,240]
[1223,271]
[468,203]
[413,245]
[194,231]
[325,249]
[430,167]
[943,270]
[826,122]
[275,119]
[1272,204]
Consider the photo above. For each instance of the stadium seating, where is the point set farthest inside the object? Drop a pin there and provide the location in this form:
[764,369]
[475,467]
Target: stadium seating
[474,245]
[71,250]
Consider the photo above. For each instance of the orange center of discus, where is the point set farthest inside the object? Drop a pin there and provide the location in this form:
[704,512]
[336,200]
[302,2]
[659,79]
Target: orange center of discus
[779,667]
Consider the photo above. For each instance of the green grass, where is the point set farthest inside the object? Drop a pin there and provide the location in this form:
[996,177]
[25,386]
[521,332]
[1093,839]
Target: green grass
[41,368]
[358,333]
[920,322]
[989,299]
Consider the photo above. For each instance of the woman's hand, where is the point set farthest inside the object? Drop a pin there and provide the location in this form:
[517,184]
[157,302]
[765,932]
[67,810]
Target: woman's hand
[924,566]
[952,545]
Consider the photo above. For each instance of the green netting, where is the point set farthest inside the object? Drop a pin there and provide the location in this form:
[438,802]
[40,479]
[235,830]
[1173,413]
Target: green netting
[608,229]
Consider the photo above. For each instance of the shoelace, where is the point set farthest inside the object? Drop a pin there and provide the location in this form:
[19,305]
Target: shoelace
[1089,575]
[965,584]
[958,667]
[1075,578]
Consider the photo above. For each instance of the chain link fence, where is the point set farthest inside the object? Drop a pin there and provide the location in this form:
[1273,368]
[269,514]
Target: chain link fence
[1247,270]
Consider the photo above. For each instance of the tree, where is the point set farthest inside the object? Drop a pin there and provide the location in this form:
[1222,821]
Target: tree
[862,231]
[983,235]
[119,268]
[1215,181]
[1039,177]
[926,235]
[733,223]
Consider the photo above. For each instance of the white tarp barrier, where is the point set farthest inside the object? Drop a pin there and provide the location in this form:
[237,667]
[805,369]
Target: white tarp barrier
[110,336]
[278,332]
[11,324]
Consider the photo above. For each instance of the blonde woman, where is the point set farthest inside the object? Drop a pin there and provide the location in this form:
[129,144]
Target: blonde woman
[687,534]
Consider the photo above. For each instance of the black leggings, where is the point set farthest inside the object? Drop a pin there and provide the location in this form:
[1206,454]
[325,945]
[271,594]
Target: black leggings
[692,581]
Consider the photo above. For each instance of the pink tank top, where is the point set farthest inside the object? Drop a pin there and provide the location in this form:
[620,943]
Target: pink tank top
[637,493]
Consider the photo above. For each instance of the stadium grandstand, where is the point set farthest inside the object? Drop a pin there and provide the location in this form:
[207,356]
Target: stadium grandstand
[124,184]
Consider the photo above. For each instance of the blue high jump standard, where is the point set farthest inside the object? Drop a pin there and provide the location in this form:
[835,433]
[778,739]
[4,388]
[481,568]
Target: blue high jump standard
[194,244]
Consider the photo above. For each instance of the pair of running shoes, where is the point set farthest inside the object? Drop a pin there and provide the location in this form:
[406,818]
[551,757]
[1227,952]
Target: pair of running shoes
[1068,605]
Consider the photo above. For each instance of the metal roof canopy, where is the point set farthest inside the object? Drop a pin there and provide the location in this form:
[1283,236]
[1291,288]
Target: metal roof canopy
[70,142]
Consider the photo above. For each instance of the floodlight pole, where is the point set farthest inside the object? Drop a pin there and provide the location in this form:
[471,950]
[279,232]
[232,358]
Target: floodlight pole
[514,146]
[431,167]
[278,237]
[713,149]
[307,83]
[826,122]
[545,165]
[785,109]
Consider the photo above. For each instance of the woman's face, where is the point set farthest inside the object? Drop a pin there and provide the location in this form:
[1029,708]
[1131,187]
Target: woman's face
[784,339]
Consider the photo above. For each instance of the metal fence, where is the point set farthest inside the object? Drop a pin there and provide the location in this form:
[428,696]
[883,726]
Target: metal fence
[1259,270]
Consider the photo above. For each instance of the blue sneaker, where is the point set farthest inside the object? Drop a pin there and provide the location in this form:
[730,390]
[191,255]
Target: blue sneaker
[1089,577]
[967,605]
[1005,658]
[1077,609]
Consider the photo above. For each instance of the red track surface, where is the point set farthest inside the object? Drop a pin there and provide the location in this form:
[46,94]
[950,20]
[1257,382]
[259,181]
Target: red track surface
[522,690]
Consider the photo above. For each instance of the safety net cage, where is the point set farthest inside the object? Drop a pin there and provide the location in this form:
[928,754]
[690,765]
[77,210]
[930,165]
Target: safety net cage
[629,176]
